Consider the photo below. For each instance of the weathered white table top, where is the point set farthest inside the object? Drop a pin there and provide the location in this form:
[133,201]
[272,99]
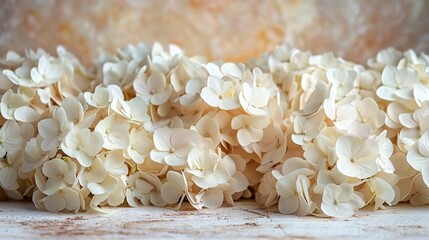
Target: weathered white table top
[21,220]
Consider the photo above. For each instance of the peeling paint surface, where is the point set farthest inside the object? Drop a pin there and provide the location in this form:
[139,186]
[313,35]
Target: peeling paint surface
[20,220]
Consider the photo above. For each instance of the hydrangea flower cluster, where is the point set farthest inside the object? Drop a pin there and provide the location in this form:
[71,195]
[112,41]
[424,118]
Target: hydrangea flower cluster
[311,134]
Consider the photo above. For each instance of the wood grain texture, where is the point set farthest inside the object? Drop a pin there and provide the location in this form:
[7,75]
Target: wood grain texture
[245,220]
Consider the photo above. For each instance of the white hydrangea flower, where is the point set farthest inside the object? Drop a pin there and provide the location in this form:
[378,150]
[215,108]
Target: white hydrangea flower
[185,71]
[415,123]
[49,70]
[15,106]
[307,129]
[229,70]
[294,166]
[153,89]
[418,157]
[340,201]
[254,100]
[170,109]
[192,91]
[173,191]
[53,130]
[421,93]
[385,151]
[237,184]
[110,190]
[342,113]
[115,72]
[162,60]
[343,80]
[280,56]
[378,190]
[368,112]
[118,194]
[259,78]
[267,193]
[368,81]
[208,128]
[321,151]
[115,132]
[249,128]
[294,195]
[206,168]
[389,56]
[95,174]
[220,93]
[191,114]
[312,101]
[134,110]
[223,120]
[83,145]
[278,147]
[135,52]
[33,156]
[212,198]
[397,84]
[145,124]
[11,59]
[114,162]
[22,74]
[10,145]
[357,156]
[140,146]
[8,174]
[106,180]
[333,176]
[324,61]
[172,145]
[103,96]
[77,114]
[144,188]
[65,199]
[56,174]
[293,187]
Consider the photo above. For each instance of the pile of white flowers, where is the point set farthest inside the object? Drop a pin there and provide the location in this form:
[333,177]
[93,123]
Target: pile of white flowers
[312,134]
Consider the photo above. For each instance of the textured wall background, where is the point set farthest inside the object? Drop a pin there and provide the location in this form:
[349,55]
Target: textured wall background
[222,29]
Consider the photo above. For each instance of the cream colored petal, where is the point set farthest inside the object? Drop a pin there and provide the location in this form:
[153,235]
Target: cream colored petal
[26,114]
[288,205]
[171,192]
[97,172]
[161,96]
[212,198]
[228,103]
[425,174]
[156,199]
[55,202]
[72,199]
[131,200]
[416,159]
[8,178]
[104,187]
[117,196]
[162,139]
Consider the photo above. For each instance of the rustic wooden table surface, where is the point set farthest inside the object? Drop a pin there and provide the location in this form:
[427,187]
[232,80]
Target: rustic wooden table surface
[245,220]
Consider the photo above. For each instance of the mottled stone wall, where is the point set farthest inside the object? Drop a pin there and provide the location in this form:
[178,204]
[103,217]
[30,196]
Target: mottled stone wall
[222,29]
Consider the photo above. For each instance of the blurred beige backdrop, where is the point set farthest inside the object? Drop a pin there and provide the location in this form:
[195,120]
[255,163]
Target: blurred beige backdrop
[231,30]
